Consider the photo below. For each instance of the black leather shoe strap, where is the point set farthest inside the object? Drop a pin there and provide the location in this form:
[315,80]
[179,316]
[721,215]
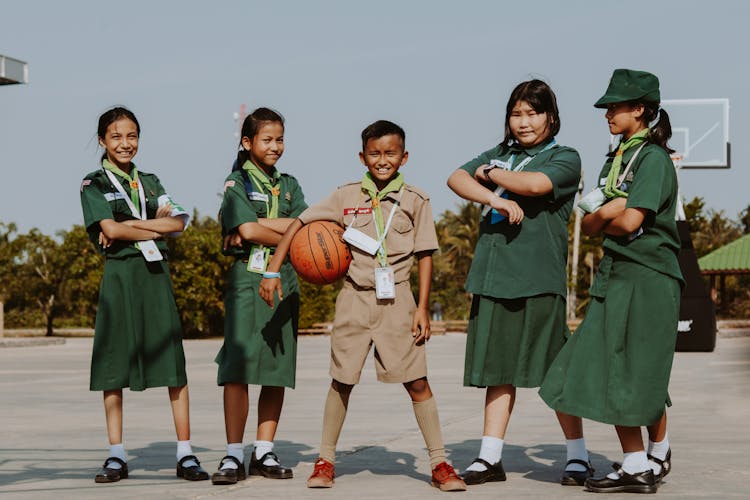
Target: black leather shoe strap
[189,457]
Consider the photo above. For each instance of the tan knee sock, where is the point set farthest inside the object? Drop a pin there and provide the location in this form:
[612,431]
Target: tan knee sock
[429,423]
[334,414]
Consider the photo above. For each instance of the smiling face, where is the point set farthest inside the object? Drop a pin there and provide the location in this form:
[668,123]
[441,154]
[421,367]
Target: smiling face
[120,142]
[383,156]
[624,118]
[266,146]
[528,126]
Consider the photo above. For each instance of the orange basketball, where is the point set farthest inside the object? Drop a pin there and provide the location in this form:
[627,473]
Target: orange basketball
[319,254]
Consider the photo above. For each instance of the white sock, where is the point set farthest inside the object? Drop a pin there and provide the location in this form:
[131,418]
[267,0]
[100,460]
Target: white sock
[491,451]
[235,450]
[635,462]
[263,447]
[658,450]
[184,449]
[117,451]
[576,450]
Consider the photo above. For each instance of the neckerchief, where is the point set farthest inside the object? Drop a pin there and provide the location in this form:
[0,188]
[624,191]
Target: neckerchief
[610,188]
[368,186]
[132,179]
[269,184]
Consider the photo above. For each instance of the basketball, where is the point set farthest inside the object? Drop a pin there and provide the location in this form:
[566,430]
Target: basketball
[319,254]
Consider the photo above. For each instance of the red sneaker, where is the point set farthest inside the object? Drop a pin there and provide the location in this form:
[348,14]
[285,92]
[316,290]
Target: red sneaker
[444,477]
[322,475]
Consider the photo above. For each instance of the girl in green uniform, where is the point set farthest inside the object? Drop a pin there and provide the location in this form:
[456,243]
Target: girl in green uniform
[138,336]
[260,343]
[527,185]
[615,368]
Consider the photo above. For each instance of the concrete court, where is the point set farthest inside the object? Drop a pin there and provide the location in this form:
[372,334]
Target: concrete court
[52,436]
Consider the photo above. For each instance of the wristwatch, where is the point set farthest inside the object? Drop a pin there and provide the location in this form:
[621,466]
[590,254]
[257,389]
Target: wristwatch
[487,169]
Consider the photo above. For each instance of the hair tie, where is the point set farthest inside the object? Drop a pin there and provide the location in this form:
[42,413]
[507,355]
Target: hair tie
[655,121]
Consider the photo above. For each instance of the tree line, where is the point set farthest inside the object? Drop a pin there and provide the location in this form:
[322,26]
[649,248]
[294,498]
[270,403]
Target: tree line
[53,282]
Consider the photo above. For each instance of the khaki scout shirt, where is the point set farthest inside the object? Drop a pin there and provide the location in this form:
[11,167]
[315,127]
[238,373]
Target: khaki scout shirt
[651,185]
[412,229]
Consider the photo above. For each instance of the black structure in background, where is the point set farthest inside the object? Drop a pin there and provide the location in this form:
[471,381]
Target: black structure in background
[697,328]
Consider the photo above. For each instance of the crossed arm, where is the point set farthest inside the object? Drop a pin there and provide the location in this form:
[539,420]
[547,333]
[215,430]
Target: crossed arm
[614,218]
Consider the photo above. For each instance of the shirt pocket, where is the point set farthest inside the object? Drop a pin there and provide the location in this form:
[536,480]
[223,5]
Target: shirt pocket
[400,239]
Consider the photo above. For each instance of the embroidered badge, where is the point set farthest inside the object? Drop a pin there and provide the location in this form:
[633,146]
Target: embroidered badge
[288,196]
[361,211]
[152,192]
[629,177]
[86,182]
[227,185]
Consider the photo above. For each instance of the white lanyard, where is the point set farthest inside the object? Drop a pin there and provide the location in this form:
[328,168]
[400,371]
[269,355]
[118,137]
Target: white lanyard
[500,189]
[138,215]
[395,206]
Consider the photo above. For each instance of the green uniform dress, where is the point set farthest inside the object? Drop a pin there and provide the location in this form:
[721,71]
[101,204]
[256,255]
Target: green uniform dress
[138,335]
[260,343]
[518,275]
[615,368]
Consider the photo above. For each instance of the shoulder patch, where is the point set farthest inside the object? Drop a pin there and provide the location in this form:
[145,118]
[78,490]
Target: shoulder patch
[227,185]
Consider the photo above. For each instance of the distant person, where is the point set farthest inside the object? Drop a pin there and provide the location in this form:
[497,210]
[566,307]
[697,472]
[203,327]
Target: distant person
[437,311]
[518,279]
[260,344]
[138,336]
[376,305]
[615,368]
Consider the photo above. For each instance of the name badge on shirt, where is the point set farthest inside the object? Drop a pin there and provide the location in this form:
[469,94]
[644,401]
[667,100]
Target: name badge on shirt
[113,196]
[258,259]
[255,196]
[385,283]
[150,251]
[603,181]
[357,211]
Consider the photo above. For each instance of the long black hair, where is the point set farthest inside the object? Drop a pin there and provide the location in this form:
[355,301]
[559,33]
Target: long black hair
[250,127]
[112,115]
[541,98]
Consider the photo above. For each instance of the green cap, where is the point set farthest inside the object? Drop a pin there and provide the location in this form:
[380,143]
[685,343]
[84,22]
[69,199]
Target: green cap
[630,85]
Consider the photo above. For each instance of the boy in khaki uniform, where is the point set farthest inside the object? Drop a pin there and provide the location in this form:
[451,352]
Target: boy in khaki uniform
[375,304]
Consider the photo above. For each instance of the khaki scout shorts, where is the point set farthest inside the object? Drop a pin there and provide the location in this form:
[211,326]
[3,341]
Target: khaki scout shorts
[362,320]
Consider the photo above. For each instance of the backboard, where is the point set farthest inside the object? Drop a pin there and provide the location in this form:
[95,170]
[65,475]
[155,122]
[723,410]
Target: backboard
[700,132]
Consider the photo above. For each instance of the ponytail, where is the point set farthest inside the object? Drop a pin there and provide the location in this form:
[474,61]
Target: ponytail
[661,131]
[250,127]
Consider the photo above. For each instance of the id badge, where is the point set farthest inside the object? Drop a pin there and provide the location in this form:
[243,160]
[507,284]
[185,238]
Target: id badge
[258,259]
[385,283]
[358,239]
[150,251]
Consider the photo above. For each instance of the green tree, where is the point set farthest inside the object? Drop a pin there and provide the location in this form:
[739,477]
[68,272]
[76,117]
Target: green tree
[7,267]
[458,233]
[198,271]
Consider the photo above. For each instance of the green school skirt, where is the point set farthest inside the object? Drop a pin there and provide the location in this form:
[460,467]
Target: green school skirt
[260,343]
[138,336]
[615,367]
[513,341]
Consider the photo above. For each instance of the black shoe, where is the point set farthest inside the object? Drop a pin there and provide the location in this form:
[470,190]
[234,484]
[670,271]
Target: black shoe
[271,471]
[193,472]
[110,475]
[492,473]
[666,465]
[642,482]
[228,475]
[576,477]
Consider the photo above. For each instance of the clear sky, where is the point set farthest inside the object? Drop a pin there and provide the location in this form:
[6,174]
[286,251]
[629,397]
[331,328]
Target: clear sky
[441,69]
